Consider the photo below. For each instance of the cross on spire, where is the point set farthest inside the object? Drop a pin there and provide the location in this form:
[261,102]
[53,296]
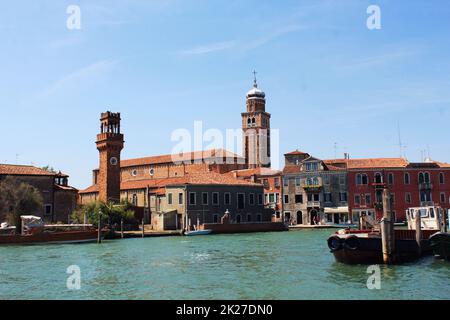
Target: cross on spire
[254,79]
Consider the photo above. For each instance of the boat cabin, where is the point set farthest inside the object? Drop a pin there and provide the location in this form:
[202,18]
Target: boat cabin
[432,217]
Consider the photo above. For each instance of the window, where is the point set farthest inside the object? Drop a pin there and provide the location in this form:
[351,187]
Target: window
[286,198]
[407,178]
[192,198]
[424,177]
[298,198]
[425,196]
[441,178]
[312,166]
[368,200]
[169,198]
[215,198]
[259,217]
[286,182]
[297,182]
[313,197]
[391,178]
[277,197]
[227,198]
[408,197]
[204,198]
[326,180]
[272,198]
[265,182]
[251,199]
[249,218]
[342,179]
[260,199]
[240,201]
[392,198]
[421,178]
[215,218]
[327,197]
[442,197]
[151,171]
[378,178]
[134,199]
[357,199]
[277,182]
[180,198]
[48,209]
[238,218]
[362,179]
[379,196]
[343,196]
[134,172]
[427,177]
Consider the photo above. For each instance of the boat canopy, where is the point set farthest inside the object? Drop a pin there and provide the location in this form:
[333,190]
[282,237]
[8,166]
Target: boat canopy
[331,210]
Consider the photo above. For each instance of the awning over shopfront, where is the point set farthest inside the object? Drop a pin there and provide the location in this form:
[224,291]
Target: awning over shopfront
[336,210]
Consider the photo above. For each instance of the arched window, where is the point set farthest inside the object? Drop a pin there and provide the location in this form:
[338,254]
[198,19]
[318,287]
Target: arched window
[365,179]
[407,178]
[316,181]
[421,178]
[378,178]
[441,178]
[427,177]
[134,199]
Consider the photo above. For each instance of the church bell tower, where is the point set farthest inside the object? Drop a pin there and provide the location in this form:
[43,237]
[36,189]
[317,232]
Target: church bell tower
[256,129]
[109,144]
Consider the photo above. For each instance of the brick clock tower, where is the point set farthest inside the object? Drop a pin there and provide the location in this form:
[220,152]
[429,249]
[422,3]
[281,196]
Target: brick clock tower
[109,144]
[256,129]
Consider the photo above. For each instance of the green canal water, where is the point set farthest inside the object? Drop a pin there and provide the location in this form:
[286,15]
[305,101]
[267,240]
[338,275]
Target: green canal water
[286,265]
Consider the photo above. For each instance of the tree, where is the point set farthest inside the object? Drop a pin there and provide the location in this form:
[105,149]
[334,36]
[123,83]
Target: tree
[49,169]
[18,198]
[111,213]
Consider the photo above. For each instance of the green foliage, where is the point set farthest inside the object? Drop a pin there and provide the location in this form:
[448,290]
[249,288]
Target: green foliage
[18,198]
[49,169]
[111,213]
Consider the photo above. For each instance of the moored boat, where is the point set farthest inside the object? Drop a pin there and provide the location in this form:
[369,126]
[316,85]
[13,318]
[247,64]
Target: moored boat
[34,231]
[365,246]
[440,243]
[197,232]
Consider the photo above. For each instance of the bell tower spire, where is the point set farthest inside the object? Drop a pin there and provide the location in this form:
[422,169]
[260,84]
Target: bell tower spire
[256,128]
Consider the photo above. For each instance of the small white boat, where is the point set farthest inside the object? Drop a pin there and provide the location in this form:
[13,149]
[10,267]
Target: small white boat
[197,232]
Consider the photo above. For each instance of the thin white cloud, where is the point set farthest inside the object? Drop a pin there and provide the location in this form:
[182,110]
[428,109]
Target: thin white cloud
[376,60]
[272,36]
[209,48]
[80,76]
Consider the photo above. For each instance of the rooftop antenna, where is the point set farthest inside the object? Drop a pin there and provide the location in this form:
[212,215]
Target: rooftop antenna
[17,158]
[401,146]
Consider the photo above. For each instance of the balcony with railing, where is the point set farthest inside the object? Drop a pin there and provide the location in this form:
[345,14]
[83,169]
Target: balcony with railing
[425,186]
[314,204]
[312,184]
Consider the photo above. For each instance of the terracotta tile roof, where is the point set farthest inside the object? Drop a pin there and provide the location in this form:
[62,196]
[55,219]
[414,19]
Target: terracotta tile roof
[369,163]
[256,171]
[65,188]
[10,169]
[204,178]
[443,164]
[291,169]
[296,152]
[205,155]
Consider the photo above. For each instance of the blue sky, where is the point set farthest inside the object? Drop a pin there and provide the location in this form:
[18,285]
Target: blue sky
[165,64]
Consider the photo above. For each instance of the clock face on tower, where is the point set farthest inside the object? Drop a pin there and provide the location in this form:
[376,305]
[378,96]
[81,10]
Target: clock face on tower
[113,161]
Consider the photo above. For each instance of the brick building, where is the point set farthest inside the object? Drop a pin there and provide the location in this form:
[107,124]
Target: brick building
[59,198]
[411,185]
[313,191]
[148,182]
[271,180]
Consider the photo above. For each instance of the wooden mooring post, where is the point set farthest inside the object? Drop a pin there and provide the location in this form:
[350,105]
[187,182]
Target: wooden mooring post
[418,220]
[99,228]
[387,230]
[121,228]
[143,229]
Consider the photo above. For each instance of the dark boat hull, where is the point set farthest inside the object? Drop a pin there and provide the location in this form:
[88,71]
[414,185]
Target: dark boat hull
[51,238]
[369,251]
[440,243]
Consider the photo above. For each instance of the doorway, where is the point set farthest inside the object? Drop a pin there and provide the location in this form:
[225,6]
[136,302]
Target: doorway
[336,218]
[313,216]
[299,217]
